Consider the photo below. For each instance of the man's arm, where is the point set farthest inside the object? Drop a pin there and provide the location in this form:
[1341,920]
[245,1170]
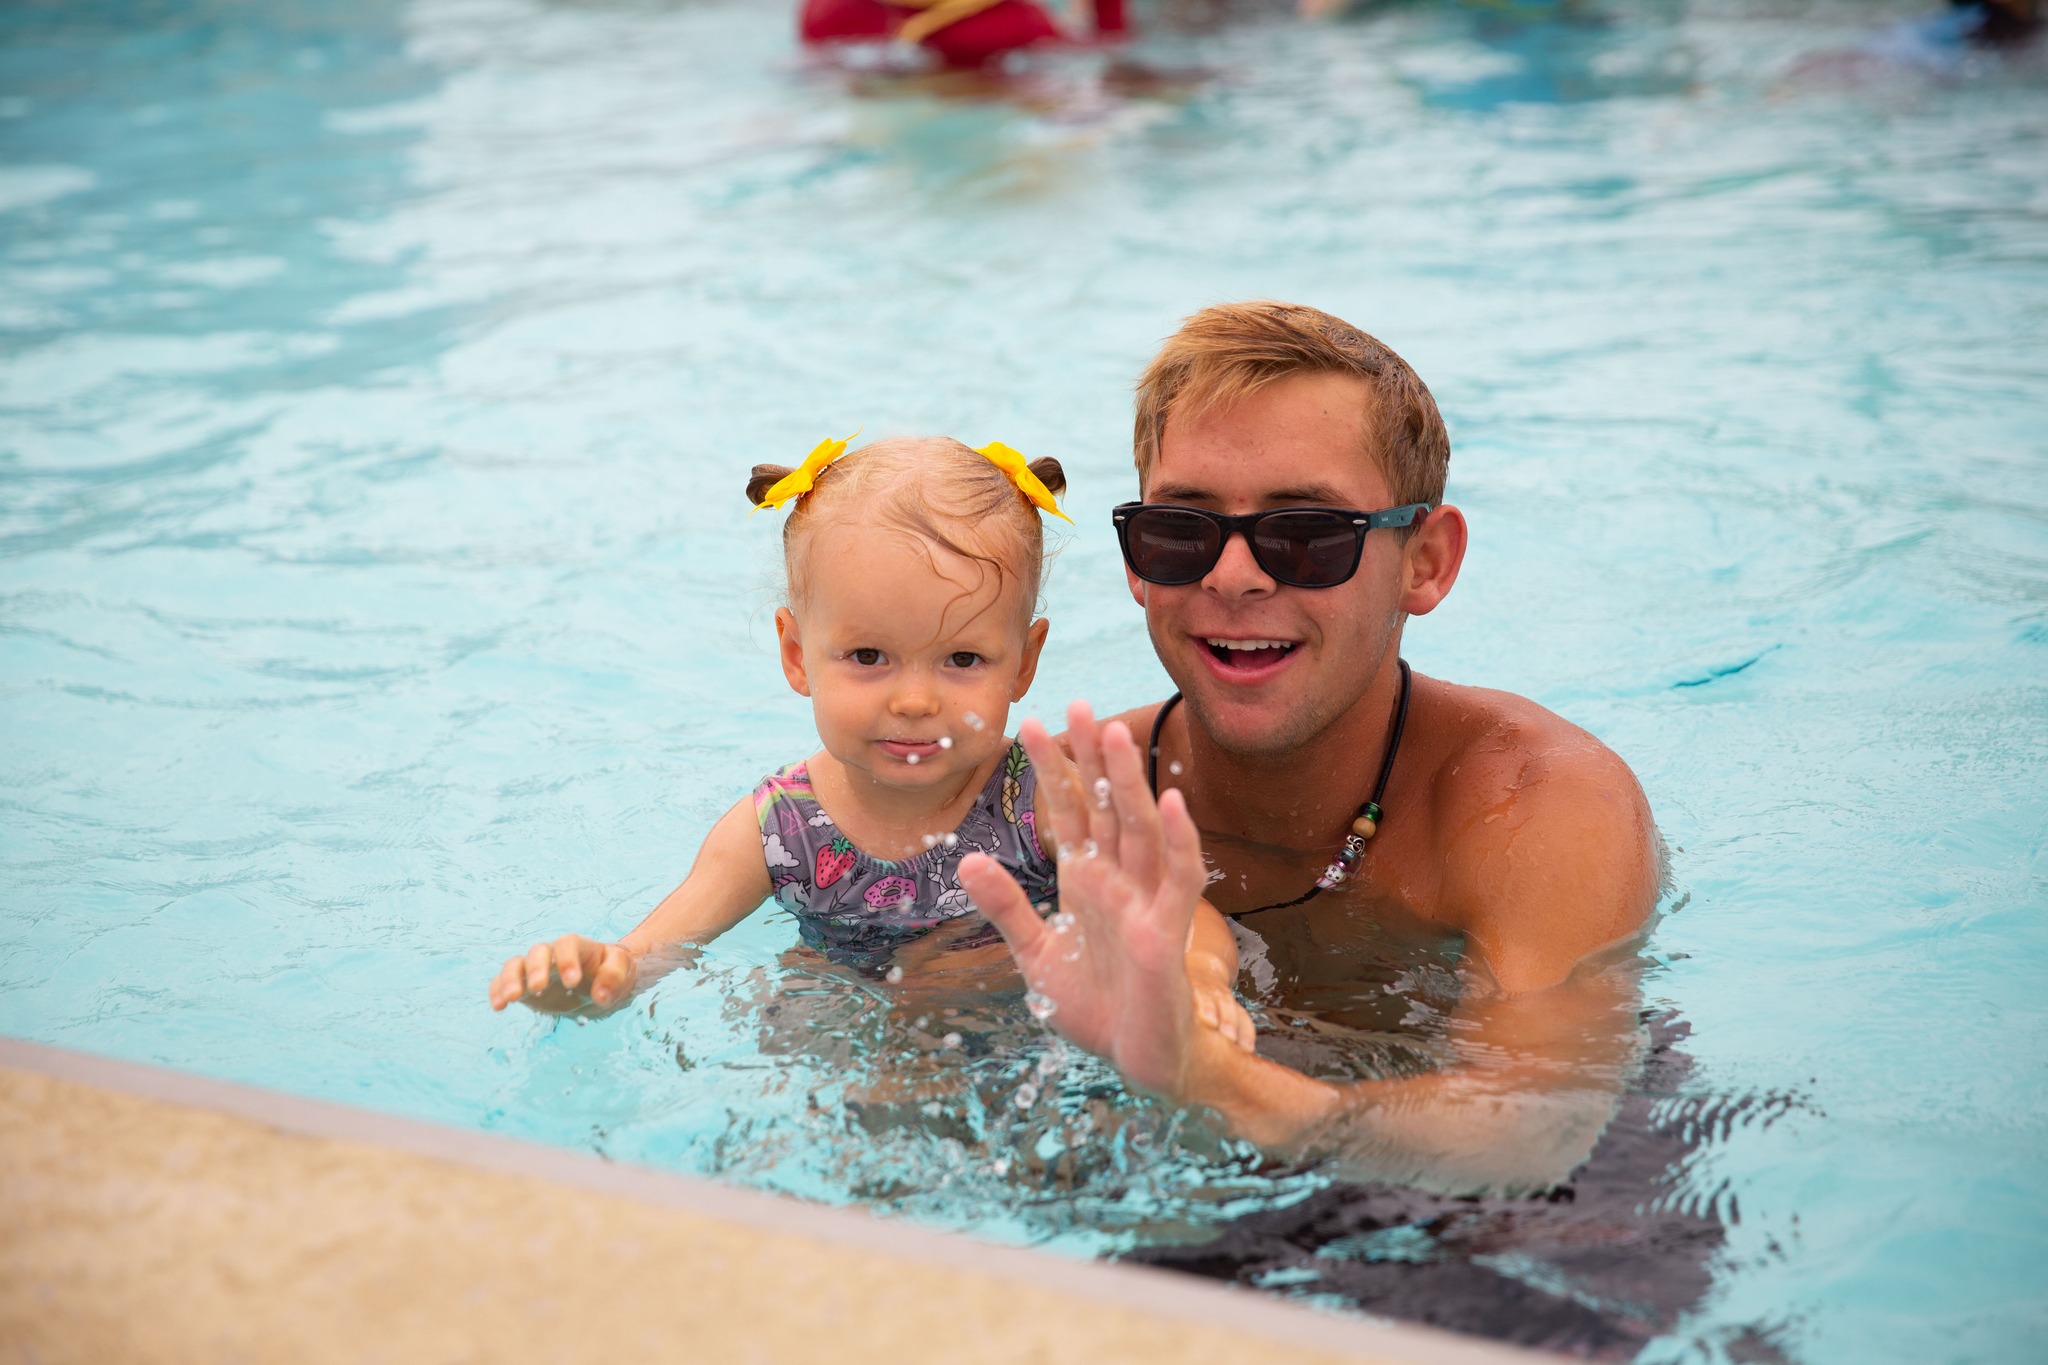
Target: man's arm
[1527,1093]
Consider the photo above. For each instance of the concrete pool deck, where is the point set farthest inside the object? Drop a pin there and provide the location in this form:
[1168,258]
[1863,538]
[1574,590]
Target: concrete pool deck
[153,1215]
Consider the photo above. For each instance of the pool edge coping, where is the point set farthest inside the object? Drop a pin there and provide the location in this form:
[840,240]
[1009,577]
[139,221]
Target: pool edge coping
[1157,1293]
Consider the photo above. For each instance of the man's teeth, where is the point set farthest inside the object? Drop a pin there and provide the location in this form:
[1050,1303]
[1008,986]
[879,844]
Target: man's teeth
[1251,644]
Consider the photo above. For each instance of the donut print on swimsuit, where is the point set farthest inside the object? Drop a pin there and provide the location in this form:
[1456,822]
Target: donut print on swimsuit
[859,909]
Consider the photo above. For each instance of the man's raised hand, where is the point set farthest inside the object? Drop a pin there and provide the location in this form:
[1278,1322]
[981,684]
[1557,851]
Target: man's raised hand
[1130,876]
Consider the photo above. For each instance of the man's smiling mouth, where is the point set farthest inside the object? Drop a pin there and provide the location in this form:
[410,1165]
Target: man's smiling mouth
[1249,654]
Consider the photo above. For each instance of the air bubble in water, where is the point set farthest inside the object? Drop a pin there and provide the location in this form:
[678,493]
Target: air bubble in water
[1102,793]
[932,1109]
[945,741]
[950,1040]
[973,721]
[893,975]
[999,1167]
[1027,1095]
[1042,1006]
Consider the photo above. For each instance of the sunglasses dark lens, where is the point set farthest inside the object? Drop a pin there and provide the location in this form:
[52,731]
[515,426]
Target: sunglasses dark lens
[1171,547]
[1307,549]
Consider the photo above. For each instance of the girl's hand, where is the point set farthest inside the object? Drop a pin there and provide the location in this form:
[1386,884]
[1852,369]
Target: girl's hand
[1217,1006]
[570,974]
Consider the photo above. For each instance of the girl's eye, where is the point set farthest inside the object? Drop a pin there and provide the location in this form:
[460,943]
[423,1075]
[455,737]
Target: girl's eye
[964,658]
[867,658]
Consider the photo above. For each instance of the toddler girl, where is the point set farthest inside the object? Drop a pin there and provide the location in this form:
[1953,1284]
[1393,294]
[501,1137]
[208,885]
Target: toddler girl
[913,570]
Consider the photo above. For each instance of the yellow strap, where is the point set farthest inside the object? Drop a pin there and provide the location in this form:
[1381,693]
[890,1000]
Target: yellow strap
[1028,483]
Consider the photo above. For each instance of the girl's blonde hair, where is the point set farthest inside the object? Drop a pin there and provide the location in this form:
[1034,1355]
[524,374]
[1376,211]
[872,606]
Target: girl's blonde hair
[932,487]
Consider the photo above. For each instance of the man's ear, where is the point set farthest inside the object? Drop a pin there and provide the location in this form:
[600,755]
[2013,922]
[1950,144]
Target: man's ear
[1137,586]
[1431,559]
[1034,641]
[792,649]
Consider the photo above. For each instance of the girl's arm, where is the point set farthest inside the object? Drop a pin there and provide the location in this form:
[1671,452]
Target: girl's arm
[1212,975]
[727,883]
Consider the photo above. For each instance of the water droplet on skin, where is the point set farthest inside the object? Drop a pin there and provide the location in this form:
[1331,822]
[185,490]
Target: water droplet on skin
[930,839]
[952,841]
[1102,793]
[1042,1007]
[923,1019]
[950,1040]
[945,741]
[1027,1095]
[1174,768]
[931,1109]
[911,759]
[1000,1166]
[893,975]
[1062,923]
[1090,849]
[973,721]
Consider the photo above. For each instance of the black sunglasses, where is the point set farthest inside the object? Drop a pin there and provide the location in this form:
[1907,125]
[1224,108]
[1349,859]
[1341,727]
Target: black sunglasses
[1303,547]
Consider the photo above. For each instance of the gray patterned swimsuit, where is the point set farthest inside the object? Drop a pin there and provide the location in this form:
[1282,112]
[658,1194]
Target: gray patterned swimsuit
[858,910]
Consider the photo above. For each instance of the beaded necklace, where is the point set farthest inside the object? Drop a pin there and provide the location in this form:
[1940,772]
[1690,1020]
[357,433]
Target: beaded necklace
[1363,826]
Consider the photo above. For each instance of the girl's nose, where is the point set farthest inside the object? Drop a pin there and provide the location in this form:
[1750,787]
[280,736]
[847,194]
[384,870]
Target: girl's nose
[915,698]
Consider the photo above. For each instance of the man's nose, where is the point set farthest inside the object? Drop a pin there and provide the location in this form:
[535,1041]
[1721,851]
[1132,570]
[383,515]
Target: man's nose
[1237,572]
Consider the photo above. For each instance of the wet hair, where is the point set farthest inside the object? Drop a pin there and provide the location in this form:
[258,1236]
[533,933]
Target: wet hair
[931,487]
[1224,354]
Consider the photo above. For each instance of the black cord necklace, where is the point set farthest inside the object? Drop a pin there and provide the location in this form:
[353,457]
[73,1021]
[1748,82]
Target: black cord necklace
[1363,826]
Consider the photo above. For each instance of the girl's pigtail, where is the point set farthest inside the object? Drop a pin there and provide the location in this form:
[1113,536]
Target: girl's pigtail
[1049,473]
[765,477]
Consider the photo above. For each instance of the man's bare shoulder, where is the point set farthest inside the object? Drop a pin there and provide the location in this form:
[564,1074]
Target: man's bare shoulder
[1485,740]
[1138,718]
[1510,779]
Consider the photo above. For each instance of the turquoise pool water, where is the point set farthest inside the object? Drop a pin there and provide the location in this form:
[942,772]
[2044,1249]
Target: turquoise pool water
[377,382]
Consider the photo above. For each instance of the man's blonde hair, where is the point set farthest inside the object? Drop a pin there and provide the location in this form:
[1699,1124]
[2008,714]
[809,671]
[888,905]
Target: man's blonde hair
[1223,354]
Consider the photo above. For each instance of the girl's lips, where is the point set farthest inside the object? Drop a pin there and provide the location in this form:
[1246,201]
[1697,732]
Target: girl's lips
[906,748]
[1245,667]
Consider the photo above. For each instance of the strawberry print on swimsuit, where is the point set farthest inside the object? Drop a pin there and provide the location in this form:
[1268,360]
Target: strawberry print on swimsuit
[859,910]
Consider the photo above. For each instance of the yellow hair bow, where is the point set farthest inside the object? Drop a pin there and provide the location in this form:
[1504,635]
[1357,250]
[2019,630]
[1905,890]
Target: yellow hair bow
[1028,483]
[804,477]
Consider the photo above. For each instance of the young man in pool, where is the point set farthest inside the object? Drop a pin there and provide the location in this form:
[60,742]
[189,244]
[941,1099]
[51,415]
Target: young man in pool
[1339,803]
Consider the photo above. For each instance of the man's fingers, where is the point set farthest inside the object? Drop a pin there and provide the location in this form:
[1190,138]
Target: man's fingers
[1186,875]
[996,894]
[1139,844]
[537,968]
[1086,740]
[1058,801]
